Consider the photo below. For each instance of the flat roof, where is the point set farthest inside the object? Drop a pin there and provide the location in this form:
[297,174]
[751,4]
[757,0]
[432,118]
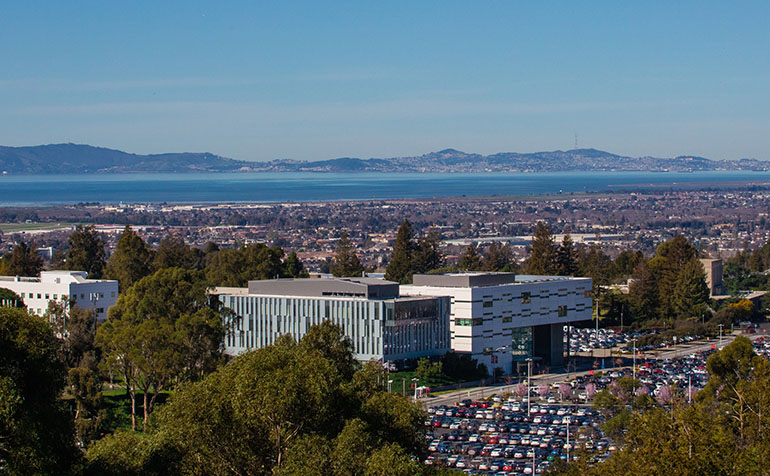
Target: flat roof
[481,279]
[372,288]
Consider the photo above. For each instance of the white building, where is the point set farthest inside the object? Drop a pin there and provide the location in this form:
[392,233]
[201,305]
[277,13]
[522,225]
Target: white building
[381,324]
[501,318]
[71,287]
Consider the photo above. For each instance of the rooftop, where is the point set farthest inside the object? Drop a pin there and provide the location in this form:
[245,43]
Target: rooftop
[371,288]
[480,279]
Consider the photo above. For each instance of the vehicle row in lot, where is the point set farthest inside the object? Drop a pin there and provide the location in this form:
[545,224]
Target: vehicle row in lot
[501,437]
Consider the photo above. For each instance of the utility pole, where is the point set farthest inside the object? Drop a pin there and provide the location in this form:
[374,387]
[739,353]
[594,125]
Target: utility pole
[720,335]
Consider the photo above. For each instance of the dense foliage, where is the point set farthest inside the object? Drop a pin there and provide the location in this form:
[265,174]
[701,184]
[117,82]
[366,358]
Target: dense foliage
[293,408]
[36,433]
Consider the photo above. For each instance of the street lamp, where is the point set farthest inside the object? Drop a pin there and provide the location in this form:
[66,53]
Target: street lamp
[414,381]
[634,366]
[529,388]
[720,335]
[390,381]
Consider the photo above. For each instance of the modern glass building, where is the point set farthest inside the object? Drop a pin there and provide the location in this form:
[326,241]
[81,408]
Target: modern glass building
[502,319]
[381,324]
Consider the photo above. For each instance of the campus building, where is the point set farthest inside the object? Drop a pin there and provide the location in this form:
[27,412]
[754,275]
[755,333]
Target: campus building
[69,287]
[502,319]
[381,324]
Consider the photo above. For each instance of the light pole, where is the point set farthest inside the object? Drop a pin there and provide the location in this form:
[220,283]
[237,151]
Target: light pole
[720,335]
[415,380]
[568,445]
[529,388]
[390,382]
[634,366]
[689,389]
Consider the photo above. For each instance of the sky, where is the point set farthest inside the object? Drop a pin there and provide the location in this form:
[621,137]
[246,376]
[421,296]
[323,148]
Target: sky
[258,80]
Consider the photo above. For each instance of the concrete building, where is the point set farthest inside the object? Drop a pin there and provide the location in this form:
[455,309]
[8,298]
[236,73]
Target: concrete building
[501,319]
[381,324]
[71,287]
[713,268]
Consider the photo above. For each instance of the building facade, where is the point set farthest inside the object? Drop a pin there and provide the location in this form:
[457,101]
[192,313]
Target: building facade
[502,319]
[69,287]
[381,324]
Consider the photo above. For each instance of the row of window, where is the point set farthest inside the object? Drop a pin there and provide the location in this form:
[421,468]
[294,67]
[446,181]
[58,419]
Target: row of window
[477,321]
[63,296]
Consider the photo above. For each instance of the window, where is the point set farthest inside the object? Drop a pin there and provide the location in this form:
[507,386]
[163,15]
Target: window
[38,296]
[487,303]
[48,296]
[99,310]
[562,311]
[506,319]
[64,297]
[113,293]
[469,322]
[101,295]
[526,297]
[22,295]
[55,296]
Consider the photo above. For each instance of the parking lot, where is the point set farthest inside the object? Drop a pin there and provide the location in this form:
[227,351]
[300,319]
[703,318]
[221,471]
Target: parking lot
[502,436]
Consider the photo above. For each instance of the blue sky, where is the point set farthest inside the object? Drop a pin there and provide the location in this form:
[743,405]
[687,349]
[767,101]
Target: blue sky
[315,80]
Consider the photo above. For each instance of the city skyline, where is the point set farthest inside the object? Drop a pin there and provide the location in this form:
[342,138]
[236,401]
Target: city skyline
[308,82]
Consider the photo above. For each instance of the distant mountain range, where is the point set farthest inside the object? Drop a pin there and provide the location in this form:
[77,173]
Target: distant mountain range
[79,159]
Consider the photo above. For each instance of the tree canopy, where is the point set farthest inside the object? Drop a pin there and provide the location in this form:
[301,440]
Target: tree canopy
[23,260]
[345,262]
[86,251]
[160,331]
[131,261]
[36,433]
[236,267]
[542,255]
[400,269]
[285,409]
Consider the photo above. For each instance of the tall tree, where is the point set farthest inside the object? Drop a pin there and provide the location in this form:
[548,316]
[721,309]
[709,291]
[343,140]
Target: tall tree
[670,257]
[289,408]
[471,260]
[24,260]
[428,255]
[401,266]
[566,257]
[236,267]
[643,293]
[691,293]
[173,252]
[345,262]
[86,251]
[160,331]
[542,255]
[131,261]
[293,267]
[499,258]
[36,434]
